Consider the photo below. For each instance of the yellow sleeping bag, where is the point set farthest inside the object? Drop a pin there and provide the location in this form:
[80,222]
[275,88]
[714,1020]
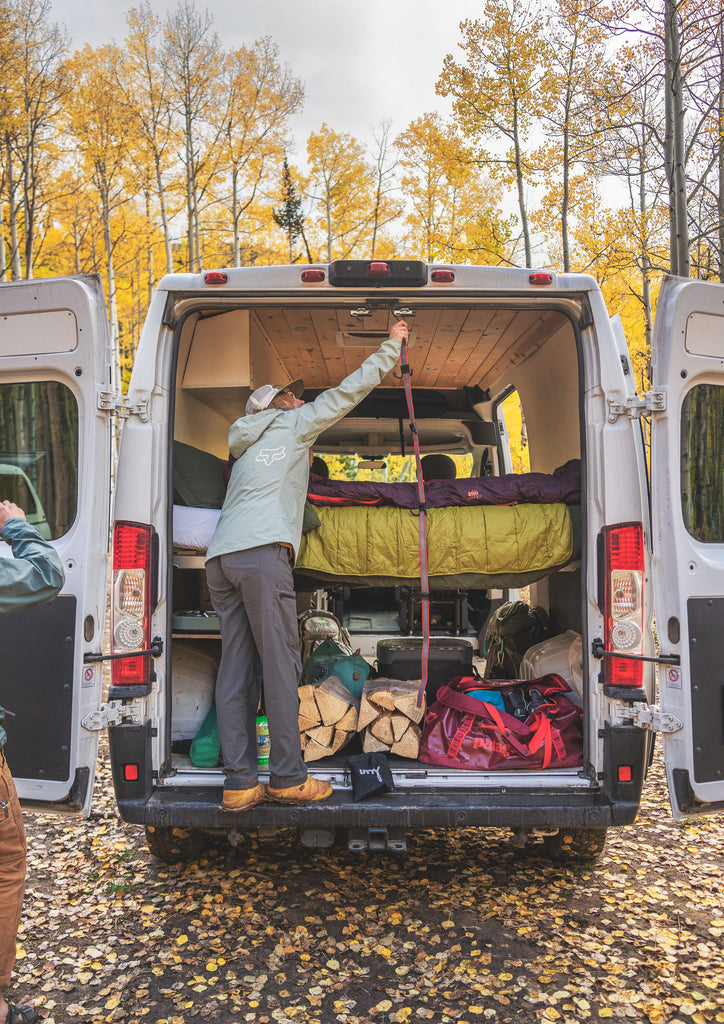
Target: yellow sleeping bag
[468,547]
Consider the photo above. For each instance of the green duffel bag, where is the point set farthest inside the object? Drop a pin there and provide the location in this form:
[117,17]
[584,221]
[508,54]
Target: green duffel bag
[329,659]
[205,747]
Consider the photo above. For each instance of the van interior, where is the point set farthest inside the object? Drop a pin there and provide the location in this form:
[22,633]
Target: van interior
[467,357]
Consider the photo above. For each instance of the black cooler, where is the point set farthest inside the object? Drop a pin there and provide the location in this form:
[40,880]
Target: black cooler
[448,659]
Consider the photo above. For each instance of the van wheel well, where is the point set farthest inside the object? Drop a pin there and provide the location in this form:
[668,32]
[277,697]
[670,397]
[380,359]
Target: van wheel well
[575,844]
[173,845]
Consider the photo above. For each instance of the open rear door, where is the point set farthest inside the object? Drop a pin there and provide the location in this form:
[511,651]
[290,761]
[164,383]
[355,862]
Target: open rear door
[55,463]
[688,521]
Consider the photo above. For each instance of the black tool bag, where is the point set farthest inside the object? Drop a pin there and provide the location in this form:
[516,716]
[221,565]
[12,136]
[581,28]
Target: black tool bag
[370,775]
[514,627]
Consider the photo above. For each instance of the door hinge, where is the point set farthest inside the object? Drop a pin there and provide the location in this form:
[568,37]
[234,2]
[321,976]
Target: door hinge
[635,407]
[118,405]
[645,716]
[112,713]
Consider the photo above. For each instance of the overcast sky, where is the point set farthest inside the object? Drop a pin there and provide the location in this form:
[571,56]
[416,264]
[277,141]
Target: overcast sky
[359,62]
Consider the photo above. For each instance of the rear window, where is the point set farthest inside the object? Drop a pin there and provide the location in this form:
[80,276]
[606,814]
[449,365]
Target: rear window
[39,453]
[702,463]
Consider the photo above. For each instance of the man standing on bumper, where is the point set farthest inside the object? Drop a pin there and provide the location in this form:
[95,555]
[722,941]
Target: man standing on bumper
[249,572]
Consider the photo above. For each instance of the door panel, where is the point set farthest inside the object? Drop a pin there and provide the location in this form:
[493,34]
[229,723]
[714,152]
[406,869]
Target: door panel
[688,536]
[55,359]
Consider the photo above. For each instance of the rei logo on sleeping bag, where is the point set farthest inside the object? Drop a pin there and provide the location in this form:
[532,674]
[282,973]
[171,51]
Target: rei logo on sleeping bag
[271,455]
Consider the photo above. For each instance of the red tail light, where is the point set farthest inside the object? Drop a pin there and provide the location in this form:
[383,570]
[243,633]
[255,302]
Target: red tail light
[131,604]
[314,276]
[624,567]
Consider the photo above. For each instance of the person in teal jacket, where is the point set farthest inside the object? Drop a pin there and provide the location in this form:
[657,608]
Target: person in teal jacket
[34,575]
[249,571]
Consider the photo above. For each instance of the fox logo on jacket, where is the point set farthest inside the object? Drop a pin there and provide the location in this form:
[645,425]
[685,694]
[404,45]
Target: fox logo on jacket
[270,455]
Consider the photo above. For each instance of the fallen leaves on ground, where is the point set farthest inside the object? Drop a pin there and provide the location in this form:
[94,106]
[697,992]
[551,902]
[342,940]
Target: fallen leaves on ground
[461,928]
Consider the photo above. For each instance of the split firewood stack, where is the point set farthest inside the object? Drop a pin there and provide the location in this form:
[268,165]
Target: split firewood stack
[328,716]
[389,718]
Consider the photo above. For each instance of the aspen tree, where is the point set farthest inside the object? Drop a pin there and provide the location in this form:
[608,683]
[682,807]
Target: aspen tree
[261,95]
[342,183]
[192,54]
[96,120]
[386,208]
[453,209]
[32,96]
[143,79]
[496,93]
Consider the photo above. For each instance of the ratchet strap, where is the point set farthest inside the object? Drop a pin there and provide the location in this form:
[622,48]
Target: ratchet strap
[422,507]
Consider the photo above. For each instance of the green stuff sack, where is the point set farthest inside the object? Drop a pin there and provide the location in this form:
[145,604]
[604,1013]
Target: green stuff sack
[329,659]
[206,747]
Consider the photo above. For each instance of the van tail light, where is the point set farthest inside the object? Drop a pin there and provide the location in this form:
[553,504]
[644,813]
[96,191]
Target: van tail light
[624,603]
[131,604]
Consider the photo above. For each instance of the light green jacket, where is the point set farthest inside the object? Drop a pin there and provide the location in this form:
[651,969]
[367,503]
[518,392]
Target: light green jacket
[264,502]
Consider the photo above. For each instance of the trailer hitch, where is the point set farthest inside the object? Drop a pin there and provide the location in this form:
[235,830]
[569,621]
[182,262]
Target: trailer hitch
[377,839]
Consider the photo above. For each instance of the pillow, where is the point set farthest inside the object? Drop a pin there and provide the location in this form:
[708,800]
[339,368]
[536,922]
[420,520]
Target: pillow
[198,477]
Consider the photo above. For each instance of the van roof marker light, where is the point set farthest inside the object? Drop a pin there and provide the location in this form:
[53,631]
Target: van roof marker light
[216,277]
[314,276]
[540,278]
[442,276]
[379,270]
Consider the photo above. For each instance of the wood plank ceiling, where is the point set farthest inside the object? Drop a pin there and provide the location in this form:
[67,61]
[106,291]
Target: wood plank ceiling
[452,347]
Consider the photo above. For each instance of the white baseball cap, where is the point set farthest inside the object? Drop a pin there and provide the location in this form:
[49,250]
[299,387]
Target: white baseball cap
[261,398]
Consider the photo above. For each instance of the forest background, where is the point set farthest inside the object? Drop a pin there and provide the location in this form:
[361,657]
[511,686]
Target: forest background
[583,135]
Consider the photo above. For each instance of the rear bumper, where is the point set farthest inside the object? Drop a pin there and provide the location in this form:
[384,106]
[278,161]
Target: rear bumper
[405,809]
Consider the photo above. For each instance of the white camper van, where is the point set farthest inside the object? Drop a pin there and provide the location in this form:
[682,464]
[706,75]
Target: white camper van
[641,589]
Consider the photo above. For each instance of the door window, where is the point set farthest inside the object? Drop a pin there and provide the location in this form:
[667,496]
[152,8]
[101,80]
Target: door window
[702,463]
[39,453]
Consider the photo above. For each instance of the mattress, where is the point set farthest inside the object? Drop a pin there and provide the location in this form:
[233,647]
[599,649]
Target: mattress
[194,527]
[469,548]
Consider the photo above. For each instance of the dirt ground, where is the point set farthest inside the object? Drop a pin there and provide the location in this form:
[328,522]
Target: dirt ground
[460,928]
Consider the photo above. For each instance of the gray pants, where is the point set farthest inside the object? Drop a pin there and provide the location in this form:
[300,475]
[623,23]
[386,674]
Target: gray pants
[253,594]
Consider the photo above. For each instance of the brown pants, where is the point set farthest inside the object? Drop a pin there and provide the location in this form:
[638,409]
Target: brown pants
[12,870]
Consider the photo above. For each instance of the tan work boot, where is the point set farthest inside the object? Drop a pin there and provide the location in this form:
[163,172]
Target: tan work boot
[243,799]
[307,792]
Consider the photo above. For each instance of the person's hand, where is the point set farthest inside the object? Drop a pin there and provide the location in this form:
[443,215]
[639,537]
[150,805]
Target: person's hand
[9,510]
[399,331]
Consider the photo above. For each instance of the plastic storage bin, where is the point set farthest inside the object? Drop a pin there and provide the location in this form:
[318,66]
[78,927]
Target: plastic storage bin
[561,654]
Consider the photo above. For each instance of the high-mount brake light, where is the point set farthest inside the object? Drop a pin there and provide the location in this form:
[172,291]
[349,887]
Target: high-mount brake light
[377,274]
[216,277]
[624,603]
[313,276]
[540,278]
[131,604]
[442,276]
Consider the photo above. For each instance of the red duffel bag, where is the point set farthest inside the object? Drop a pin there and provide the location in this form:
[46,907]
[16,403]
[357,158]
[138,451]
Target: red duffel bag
[461,731]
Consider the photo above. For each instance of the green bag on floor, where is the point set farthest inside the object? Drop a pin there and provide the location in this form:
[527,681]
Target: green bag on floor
[206,747]
[329,659]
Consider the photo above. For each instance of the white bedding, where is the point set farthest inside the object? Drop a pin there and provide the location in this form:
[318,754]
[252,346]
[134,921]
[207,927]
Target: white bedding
[194,527]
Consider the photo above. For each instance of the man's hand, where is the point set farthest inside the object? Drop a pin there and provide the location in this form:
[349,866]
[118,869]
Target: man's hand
[399,331]
[9,510]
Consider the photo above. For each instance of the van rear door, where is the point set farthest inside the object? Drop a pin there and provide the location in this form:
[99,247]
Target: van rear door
[688,537]
[55,360]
